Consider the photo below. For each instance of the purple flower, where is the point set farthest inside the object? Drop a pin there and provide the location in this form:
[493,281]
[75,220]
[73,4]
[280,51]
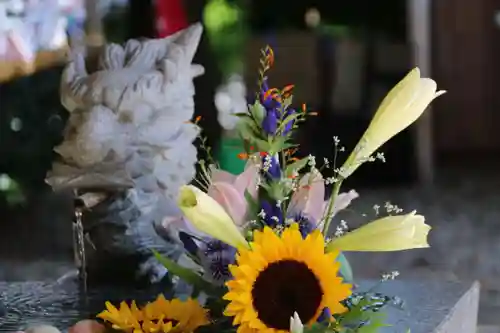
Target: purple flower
[306,225]
[273,213]
[272,168]
[272,106]
[325,315]
[270,121]
[188,242]
[215,257]
[289,124]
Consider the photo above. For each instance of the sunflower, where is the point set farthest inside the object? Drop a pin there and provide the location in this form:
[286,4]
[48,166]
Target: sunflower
[159,316]
[281,275]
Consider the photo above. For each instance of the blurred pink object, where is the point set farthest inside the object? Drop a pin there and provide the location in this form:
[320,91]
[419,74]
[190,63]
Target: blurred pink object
[309,199]
[229,190]
[87,326]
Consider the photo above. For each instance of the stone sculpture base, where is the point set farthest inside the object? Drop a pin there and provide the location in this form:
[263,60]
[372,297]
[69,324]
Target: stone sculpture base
[432,306]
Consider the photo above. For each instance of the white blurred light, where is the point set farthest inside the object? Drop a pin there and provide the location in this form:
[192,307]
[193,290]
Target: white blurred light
[5,182]
[312,17]
[16,124]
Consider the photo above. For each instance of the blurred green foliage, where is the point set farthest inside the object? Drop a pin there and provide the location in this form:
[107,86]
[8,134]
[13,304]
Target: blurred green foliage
[11,190]
[227,29]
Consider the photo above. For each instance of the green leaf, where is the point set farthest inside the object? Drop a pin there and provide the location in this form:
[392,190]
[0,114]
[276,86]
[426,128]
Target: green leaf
[345,268]
[187,275]
[376,322]
[287,120]
[248,129]
[241,115]
[261,145]
[296,166]
[276,190]
[315,328]
[288,101]
[358,314]
[253,206]
[258,112]
[278,144]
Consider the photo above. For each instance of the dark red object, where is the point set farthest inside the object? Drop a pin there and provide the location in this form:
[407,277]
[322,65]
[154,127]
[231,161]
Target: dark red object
[170,17]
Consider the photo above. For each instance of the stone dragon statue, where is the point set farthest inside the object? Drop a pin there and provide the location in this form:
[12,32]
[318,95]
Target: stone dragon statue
[128,144]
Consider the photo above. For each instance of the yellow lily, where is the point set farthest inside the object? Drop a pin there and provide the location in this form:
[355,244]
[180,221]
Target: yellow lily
[209,217]
[404,104]
[391,233]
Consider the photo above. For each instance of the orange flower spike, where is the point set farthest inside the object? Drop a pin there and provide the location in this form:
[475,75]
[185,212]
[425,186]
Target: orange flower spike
[243,156]
[304,108]
[269,56]
[287,91]
[271,92]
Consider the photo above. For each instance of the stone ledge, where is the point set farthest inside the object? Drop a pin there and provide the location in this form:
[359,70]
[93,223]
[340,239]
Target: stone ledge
[488,329]
[431,306]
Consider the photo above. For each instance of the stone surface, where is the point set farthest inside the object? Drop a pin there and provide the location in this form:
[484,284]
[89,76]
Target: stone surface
[3,309]
[62,304]
[488,329]
[431,306]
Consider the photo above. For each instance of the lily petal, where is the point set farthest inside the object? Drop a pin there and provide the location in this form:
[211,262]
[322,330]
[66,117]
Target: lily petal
[208,216]
[309,198]
[221,176]
[404,104]
[391,233]
[343,200]
[247,180]
[232,200]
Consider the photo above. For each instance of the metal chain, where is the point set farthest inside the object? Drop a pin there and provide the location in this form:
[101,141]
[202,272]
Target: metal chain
[79,243]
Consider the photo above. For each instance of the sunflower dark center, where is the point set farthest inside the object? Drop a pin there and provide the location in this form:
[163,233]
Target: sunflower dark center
[285,287]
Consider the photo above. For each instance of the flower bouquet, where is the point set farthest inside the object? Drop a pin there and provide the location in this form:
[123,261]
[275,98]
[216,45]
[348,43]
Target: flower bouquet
[259,254]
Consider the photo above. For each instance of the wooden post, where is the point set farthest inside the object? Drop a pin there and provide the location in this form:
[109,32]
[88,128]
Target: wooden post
[419,36]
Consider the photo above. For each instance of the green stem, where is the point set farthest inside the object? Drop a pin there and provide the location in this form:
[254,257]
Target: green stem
[331,204]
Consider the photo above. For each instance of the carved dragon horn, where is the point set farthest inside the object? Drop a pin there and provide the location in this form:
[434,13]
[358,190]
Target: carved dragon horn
[190,39]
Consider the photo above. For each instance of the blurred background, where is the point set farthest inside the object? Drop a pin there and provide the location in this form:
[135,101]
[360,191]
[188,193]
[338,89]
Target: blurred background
[342,56]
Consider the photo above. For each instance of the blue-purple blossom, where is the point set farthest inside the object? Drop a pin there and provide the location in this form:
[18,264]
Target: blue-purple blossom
[273,215]
[270,121]
[215,257]
[188,242]
[306,226]
[272,168]
[288,126]
[273,116]
[325,315]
